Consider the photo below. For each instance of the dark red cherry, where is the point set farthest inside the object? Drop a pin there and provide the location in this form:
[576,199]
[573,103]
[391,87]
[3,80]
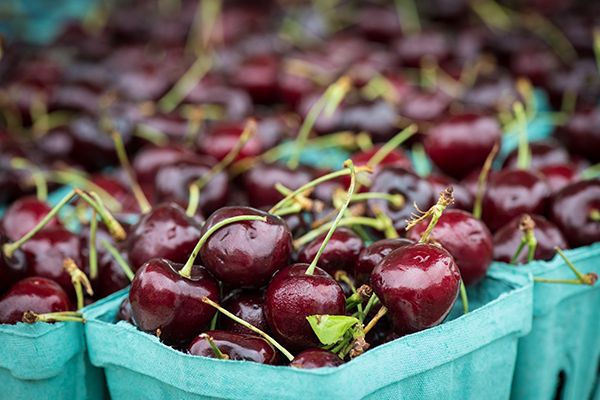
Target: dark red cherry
[316,358]
[560,175]
[425,106]
[397,180]
[572,210]
[23,215]
[119,191]
[412,49]
[543,154]
[378,23]
[379,118]
[247,305]
[12,269]
[535,64]
[36,294]
[507,239]
[124,313]
[246,253]
[397,157]
[372,255]
[418,284]
[47,251]
[463,200]
[582,133]
[165,232]
[260,183]
[173,181]
[258,77]
[223,137]
[341,252]
[466,238]
[461,143]
[511,193]
[293,295]
[237,346]
[149,160]
[168,305]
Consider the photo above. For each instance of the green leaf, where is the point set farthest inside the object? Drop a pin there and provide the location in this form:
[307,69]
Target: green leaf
[331,328]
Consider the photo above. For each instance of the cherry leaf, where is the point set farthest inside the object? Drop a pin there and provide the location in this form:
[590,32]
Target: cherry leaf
[331,328]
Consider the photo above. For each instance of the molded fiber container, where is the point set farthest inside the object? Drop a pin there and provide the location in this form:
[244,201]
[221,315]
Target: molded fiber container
[467,357]
[47,361]
[565,335]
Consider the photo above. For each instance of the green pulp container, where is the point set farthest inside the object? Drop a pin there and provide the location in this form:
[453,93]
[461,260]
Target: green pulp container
[468,357]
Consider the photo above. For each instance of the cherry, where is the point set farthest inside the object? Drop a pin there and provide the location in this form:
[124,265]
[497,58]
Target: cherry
[258,76]
[164,232]
[543,154]
[36,294]
[237,103]
[425,106]
[46,251]
[379,118]
[234,346]
[12,268]
[246,253]
[173,181]
[247,305]
[121,193]
[223,137]
[260,183]
[396,180]
[372,255]
[582,133]
[418,284]
[508,238]
[169,305]
[148,161]
[535,64]
[124,313]
[23,215]
[560,175]
[316,358]
[378,23]
[460,143]
[463,199]
[412,49]
[341,252]
[396,157]
[574,209]
[466,238]
[293,295]
[511,193]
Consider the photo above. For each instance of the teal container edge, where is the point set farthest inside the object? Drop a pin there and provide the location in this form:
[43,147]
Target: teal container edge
[565,336]
[468,357]
[48,361]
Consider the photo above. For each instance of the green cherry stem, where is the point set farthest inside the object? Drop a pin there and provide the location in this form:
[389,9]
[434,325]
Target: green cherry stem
[591,172]
[348,164]
[114,227]
[185,84]
[119,259]
[186,271]
[197,186]
[527,227]
[524,152]
[382,311]
[464,297]
[10,248]
[393,143]
[435,212]
[93,257]
[143,202]
[374,223]
[75,178]
[30,317]
[482,181]
[248,325]
[38,177]
[595,215]
[584,278]
[597,47]
[218,353]
[79,280]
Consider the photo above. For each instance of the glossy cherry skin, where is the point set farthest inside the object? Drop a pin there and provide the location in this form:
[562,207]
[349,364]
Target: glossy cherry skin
[292,296]
[511,193]
[461,143]
[570,210]
[23,215]
[47,251]
[560,175]
[148,161]
[165,232]
[372,255]
[260,183]
[543,154]
[316,358]
[341,252]
[396,180]
[508,238]
[119,191]
[237,346]
[246,253]
[582,133]
[36,294]
[12,269]
[463,200]
[425,106]
[124,313]
[247,305]
[172,184]
[418,284]
[466,238]
[163,300]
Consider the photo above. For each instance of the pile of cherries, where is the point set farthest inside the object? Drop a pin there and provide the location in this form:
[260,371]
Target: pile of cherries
[184,130]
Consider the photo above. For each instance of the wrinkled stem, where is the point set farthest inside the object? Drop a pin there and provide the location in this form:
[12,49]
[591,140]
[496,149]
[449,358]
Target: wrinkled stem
[382,311]
[435,212]
[79,281]
[31,317]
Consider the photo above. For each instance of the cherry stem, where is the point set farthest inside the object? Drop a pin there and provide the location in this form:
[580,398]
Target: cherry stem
[142,201]
[597,47]
[10,248]
[493,14]
[396,200]
[185,84]
[79,280]
[591,172]
[75,178]
[38,177]
[31,317]
[482,181]
[316,182]
[327,103]
[300,200]
[349,164]
[218,353]
[524,152]
[408,9]
[382,311]
[393,143]
[195,119]
[435,212]
[186,271]
[248,325]
[119,259]
[93,256]
[114,227]
[464,297]
[527,227]
[588,279]
[595,215]
[196,187]
[374,223]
